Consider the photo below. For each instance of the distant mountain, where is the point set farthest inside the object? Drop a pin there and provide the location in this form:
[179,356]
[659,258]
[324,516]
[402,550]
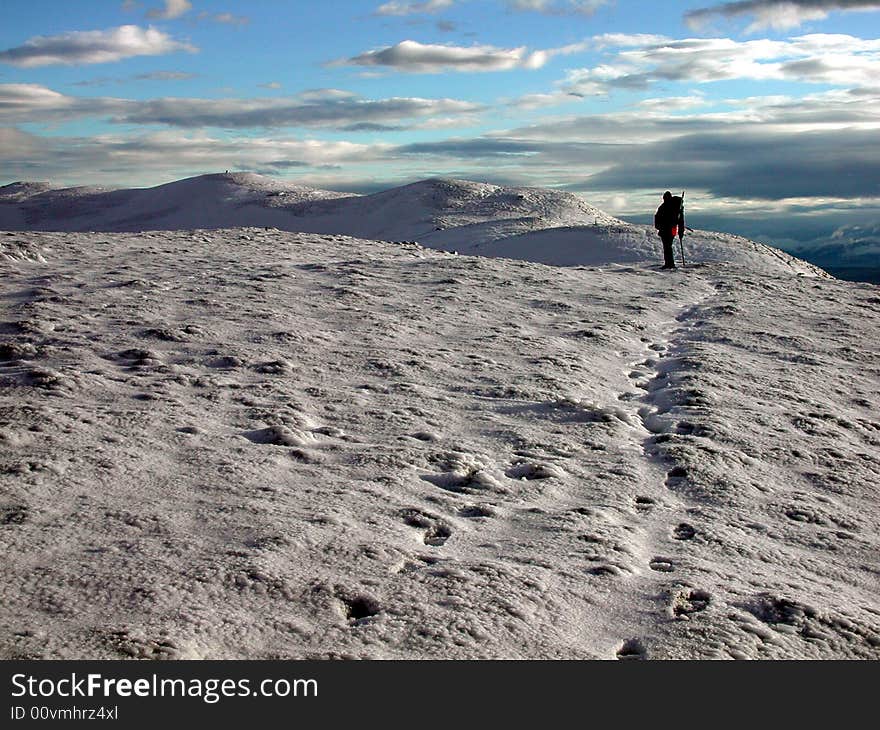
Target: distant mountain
[848,246]
[207,201]
[532,224]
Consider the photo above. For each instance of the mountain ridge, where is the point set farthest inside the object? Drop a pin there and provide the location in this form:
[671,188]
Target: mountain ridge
[533,224]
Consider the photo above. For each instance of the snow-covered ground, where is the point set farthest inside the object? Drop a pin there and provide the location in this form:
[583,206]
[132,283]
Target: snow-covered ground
[254,443]
[531,224]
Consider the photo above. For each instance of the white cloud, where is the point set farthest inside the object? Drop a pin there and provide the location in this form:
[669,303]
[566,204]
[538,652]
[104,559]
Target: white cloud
[173,9]
[317,95]
[415,57]
[164,76]
[427,58]
[28,96]
[558,7]
[20,103]
[672,103]
[625,40]
[778,14]
[231,19]
[543,101]
[93,46]
[405,8]
[225,18]
[149,76]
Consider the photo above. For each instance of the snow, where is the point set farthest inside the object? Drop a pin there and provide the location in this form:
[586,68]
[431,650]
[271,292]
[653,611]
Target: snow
[258,443]
[531,224]
[254,443]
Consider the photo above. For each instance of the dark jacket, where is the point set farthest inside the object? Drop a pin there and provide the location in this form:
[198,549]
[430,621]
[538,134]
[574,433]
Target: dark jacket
[669,216]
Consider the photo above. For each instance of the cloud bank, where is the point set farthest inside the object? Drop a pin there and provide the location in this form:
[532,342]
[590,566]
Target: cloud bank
[323,108]
[817,58]
[339,113]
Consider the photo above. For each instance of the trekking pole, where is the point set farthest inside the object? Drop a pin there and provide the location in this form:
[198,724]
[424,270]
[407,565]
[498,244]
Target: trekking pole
[681,230]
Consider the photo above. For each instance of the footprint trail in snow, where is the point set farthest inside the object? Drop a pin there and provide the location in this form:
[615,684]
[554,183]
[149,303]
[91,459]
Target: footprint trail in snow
[255,444]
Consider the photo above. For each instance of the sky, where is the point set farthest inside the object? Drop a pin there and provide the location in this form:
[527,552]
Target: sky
[766,112]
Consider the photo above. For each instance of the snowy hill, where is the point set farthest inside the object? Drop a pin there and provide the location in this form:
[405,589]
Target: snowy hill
[444,213]
[256,444]
[206,201]
[531,224]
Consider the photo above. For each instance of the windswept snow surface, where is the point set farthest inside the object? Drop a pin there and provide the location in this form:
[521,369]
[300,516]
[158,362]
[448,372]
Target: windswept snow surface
[530,224]
[256,444]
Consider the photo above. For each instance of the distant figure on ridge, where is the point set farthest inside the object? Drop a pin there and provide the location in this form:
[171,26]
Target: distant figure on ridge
[669,222]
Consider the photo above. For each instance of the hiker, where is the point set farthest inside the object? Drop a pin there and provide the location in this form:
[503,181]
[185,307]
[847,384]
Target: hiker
[669,222]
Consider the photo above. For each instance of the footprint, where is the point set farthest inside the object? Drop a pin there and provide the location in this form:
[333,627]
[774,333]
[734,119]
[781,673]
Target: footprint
[44,378]
[775,610]
[644,504]
[466,482]
[306,456]
[331,431]
[279,436]
[416,562]
[684,531]
[140,647]
[632,649]
[274,367]
[359,607]
[166,334]
[475,511]
[688,601]
[138,357]
[606,570]
[530,471]
[662,565]
[226,362]
[437,532]
[11,351]
[676,476]
[13,515]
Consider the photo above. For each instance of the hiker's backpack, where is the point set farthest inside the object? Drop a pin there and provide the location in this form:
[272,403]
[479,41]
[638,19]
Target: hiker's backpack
[668,215]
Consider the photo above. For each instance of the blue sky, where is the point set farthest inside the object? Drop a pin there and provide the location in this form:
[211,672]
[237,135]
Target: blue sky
[766,111]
